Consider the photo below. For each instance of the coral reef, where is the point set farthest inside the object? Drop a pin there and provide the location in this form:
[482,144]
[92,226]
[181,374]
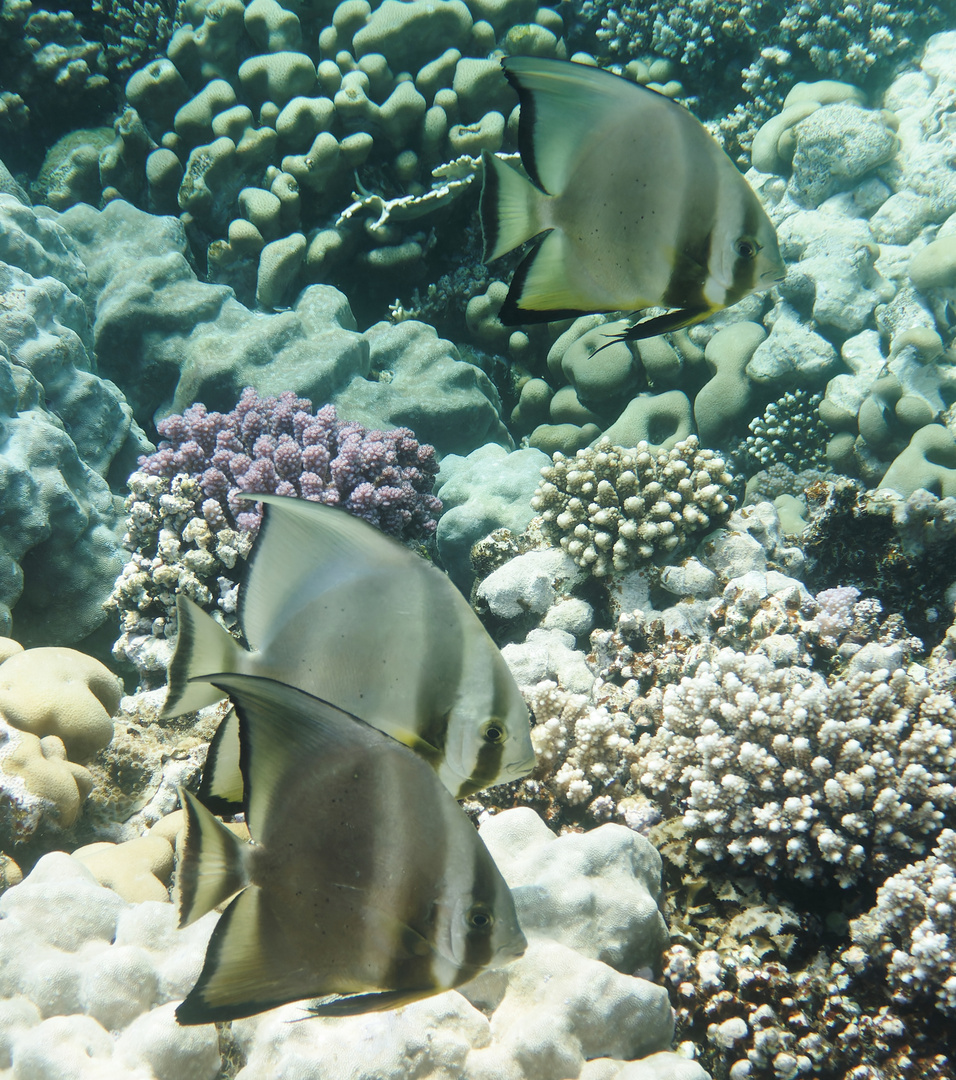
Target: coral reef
[188,526]
[69,441]
[195,342]
[611,508]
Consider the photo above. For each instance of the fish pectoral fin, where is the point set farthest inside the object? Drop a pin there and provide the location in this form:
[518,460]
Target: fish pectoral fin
[390,935]
[249,966]
[353,1004]
[202,646]
[212,866]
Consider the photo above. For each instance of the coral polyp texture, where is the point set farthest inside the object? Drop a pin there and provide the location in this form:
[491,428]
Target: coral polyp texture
[611,508]
[187,522]
[786,773]
[278,445]
[911,931]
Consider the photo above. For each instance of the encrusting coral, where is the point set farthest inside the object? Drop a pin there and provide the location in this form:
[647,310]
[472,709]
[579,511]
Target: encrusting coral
[188,525]
[611,508]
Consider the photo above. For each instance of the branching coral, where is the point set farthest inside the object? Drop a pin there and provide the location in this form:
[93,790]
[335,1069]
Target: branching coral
[784,772]
[611,508]
[788,431]
[912,930]
[188,525]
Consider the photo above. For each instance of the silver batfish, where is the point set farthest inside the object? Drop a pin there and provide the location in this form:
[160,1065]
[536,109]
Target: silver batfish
[642,208]
[365,885]
[334,607]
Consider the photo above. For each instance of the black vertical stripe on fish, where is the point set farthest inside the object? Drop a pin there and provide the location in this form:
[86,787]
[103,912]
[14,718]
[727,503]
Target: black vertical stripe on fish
[697,219]
[527,119]
[744,269]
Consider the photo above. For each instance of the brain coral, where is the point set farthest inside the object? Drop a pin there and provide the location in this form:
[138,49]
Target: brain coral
[611,508]
[785,772]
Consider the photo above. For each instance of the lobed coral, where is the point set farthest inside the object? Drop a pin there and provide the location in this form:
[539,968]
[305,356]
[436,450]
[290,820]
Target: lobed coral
[785,772]
[188,526]
[611,508]
[56,709]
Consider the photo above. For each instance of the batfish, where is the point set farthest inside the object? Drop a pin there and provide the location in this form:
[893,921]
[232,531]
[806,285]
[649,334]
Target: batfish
[640,205]
[365,885]
[332,606]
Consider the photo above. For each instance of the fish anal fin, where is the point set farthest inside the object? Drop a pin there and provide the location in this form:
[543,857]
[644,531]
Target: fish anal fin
[212,865]
[249,966]
[541,289]
[202,646]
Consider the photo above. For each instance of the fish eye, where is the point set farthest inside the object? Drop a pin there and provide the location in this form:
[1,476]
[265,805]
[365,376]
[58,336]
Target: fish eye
[494,731]
[480,918]
[746,247]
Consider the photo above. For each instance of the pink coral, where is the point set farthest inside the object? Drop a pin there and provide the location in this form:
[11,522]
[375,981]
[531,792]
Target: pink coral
[279,445]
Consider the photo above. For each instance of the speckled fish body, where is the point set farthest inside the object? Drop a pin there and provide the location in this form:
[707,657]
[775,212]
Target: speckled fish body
[333,607]
[641,206]
[365,885]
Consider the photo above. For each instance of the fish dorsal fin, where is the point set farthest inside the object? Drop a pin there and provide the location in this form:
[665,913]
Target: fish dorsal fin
[301,541]
[249,966]
[212,866]
[279,728]
[221,786]
[562,106]
[202,646]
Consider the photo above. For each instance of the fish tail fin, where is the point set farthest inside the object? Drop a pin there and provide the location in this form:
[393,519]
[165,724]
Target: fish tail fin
[212,866]
[509,208]
[203,647]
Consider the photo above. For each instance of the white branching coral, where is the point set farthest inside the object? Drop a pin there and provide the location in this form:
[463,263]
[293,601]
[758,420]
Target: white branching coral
[611,508]
[912,930]
[786,773]
[584,751]
[173,549]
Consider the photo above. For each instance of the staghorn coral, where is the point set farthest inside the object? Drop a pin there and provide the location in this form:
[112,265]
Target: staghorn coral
[611,508]
[188,526]
[785,772]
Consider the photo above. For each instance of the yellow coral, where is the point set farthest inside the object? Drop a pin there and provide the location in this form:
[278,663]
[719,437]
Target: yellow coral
[61,692]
